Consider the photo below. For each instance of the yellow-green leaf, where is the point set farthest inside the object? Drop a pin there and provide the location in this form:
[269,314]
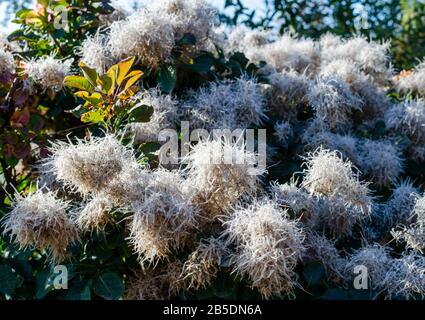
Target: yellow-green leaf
[123,68]
[112,74]
[106,84]
[93,116]
[131,79]
[89,73]
[93,99]
[78,82]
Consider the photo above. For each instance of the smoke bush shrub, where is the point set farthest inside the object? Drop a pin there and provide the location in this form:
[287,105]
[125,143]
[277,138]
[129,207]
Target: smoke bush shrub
[84,184]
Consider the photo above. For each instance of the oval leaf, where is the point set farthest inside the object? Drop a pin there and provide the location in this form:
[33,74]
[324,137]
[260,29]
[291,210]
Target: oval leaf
[78,82]
[108,286]
[8,280]
[167,78]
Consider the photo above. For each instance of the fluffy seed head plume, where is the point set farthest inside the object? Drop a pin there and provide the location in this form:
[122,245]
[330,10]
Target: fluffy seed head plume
[227,104]
[223,173]
[163,217]
[413,82]
[196,17]
[164,115]
[48,72]
[414,234]
[288,90]
[327,174]
[375,258]
[381,161]
[89,166]
[338,216]
[302,204]
[203,263]
[268,247]
[345,144]
[408,118]
[342,70]
[146,34]
[319,248]
[40,220]
[333,101]
[160,283]
[406,277]
[94,215]
[399,208]
[95,53]
[370,57]
[289,53]
[244,39]
[283,132]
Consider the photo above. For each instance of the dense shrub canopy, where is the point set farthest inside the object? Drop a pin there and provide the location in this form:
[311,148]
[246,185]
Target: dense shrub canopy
[86,186]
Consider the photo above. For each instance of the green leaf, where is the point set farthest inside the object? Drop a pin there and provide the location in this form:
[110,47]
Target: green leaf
[93,116]
[79,83]
[201,64]
[90,74]
[314,273]
[80,290]
[107,84]
[140,113]
[93,99]
[188,39]
[167,78]
[42,284]
[108,285]
[8,280]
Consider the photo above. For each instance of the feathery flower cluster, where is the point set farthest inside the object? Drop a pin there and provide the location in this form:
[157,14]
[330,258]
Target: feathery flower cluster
[283,132]
[381,161]
[95,53]
[370,57]
[299,201]
[406,277]
[319,248]
[343,199]
[163,217]
[202,264]
[48,72]
[146,34]
[334,102]
[287,91]
[268,247]
[155,284]
[227,104]
[243,39]
[413,82]
[408,118]
[222,173]
[327,174]
[164,116]
[375,258]
[41,220]
[152,32]
[414,234]
[288,53]
[399,208]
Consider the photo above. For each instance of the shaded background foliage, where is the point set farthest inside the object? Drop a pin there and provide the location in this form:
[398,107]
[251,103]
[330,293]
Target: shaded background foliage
[401,21]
